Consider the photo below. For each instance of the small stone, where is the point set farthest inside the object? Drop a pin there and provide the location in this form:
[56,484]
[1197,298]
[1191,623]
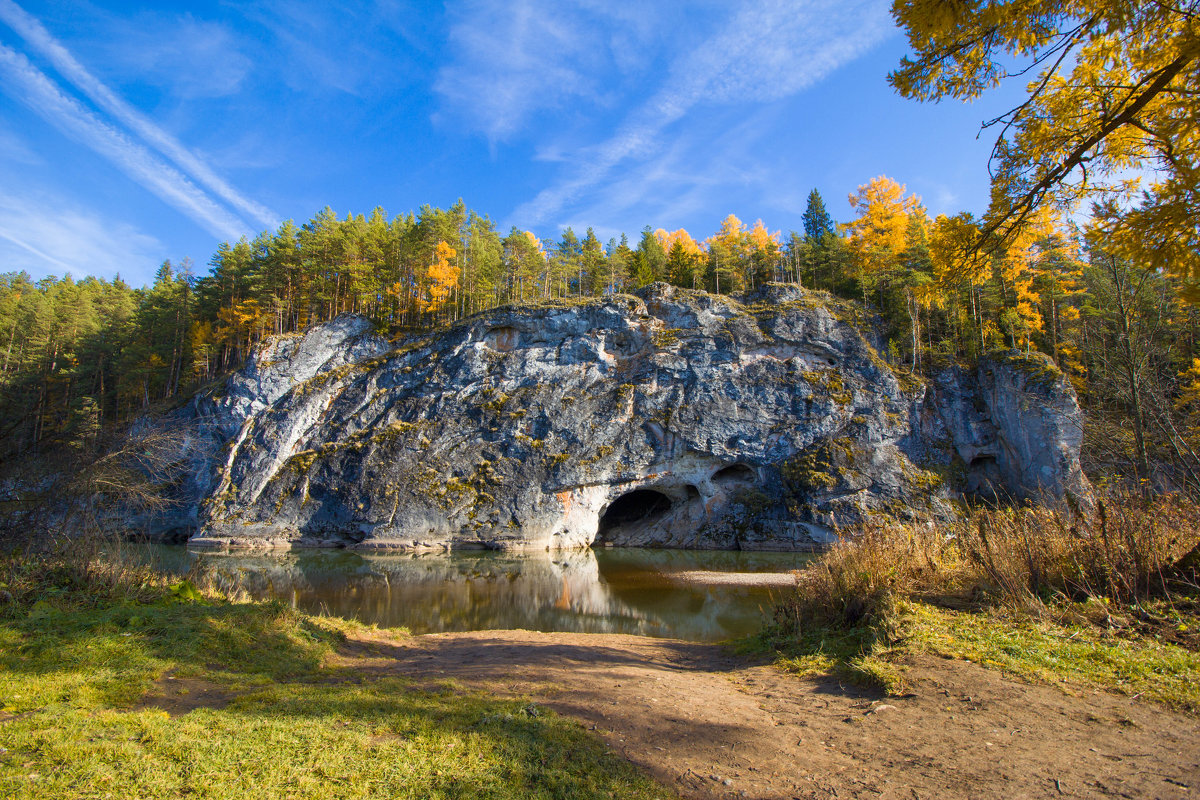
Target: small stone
[728,781]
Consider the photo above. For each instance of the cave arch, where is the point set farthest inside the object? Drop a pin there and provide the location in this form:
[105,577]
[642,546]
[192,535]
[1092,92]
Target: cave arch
[735,473]
[984,478]
[639,507]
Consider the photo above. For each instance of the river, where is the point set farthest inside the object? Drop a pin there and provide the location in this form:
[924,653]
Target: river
[609,590]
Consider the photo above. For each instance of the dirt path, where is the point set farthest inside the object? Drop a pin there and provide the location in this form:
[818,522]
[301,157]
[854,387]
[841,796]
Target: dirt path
[712,724]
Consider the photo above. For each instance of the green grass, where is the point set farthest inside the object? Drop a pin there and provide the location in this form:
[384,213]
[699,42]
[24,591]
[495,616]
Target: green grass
[1064,654]
[862,655]
[1069,655]
[73,678]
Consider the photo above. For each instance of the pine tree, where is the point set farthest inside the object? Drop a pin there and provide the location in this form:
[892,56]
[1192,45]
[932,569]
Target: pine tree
[817,222]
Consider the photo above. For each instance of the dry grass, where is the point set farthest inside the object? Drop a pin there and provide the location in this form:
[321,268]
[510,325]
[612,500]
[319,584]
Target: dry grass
[1129,567]
[1128,550]
[89,570]
[859,580]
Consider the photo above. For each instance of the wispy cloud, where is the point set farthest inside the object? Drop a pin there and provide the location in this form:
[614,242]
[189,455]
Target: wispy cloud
[763,53]
[14,148]
[32,87]
[188,58]
[690,175]
[362,49]
[41,41]
[513,59]
[43,235]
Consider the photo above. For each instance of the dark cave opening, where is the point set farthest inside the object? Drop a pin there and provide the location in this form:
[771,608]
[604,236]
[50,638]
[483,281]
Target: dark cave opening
[735,473]
[638,506]
[983,476]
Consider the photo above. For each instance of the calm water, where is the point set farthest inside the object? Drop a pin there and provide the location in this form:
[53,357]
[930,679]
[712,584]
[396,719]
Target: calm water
[603,591]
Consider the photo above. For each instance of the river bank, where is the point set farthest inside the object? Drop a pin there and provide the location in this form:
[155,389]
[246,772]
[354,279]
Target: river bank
[889,671]
[710,723]
[160,696]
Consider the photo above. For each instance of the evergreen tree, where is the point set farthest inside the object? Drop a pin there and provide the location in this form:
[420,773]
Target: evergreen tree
[595,264]
[650,260]
[817,222]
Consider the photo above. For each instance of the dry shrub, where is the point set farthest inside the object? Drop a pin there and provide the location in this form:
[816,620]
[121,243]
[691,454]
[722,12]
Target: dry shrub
[1127,550]
[858,580]
[50,498]
[63,538]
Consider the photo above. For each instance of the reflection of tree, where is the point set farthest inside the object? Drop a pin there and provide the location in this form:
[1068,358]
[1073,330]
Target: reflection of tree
[480,590]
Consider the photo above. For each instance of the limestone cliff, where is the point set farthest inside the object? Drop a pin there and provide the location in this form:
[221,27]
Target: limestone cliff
[668,418]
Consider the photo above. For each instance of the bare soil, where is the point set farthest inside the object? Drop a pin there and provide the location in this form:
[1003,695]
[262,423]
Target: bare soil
[714,724]
[179,696]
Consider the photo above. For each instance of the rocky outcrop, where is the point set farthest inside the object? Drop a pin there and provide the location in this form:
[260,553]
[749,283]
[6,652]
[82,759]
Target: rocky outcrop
[208,429]
[669,418]
[1014,427]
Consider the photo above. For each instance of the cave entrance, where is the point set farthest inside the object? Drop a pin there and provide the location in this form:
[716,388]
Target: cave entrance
[639,507]
[735,473]
[984,479]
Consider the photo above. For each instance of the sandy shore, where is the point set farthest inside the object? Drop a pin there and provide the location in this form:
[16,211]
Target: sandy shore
[734,578]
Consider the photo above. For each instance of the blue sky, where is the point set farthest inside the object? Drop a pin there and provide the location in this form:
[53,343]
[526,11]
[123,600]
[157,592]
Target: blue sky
[132,133]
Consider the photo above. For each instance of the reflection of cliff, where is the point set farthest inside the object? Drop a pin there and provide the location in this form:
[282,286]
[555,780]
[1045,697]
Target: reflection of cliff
[562,591]
[459,591]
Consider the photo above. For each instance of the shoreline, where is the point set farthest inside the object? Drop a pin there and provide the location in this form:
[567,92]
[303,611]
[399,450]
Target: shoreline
[700,577]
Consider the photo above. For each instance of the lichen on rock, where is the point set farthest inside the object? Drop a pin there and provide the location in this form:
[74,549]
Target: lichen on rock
[669,418]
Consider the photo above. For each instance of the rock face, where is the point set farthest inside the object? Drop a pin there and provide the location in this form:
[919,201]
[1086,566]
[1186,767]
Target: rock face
[1015,425]
[669,418]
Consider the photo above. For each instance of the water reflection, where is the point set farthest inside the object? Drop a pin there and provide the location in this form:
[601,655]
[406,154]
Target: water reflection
[605,591]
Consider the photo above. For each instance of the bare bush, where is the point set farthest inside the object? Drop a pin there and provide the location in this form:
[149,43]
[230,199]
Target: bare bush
[67,495]
[1127,550]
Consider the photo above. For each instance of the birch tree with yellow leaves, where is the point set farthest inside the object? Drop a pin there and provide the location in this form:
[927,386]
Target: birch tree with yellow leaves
[441,279]
[764,253]
[728,249]
[960,270]
[1111,113]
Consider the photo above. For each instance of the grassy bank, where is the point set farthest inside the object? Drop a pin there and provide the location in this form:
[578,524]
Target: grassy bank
[115,682]
[1109,598]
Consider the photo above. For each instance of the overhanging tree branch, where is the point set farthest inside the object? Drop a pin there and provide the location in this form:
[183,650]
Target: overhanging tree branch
[1019,212]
